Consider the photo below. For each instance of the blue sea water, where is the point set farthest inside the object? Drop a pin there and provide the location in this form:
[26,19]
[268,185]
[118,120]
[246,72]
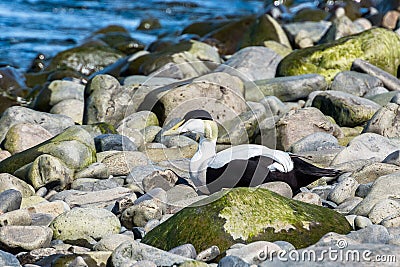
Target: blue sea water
[29,27]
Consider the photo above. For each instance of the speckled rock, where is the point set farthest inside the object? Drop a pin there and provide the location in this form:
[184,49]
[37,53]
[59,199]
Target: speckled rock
[107,101]
[355,83]
[252,63]
[385,121]
[285,88]
[219,93]
[347,109]
[383,209]
[375,45]
[371,172]
[111,242]
[55,124]
[84,226]
[308,197]
[56,92]
[22,136]
[17,238]
[121,162]
[130,252]
[8,181]
[72,108]
[96,170]
[51,172]
[384,187]
[101,198]
[367,146]
[289,131]
[343,190]
[315,142]
[219,217]
[16,217]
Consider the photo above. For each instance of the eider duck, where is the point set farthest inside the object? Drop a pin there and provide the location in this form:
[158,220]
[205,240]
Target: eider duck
[242,165]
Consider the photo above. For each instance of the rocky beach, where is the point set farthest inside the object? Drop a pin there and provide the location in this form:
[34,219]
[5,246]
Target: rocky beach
[88,178]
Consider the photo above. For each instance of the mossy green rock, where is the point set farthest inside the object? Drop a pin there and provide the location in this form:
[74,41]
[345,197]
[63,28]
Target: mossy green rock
[246,215]
[85,59]
[378,46]
[74,147]
[346,109]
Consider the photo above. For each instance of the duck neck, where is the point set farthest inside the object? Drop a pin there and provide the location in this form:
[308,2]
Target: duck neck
[205,152]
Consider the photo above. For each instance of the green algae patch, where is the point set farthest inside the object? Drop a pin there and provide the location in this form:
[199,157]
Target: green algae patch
[74,147]
[378,46]
[245,215]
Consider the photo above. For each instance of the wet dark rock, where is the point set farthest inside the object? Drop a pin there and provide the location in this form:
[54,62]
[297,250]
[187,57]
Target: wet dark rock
[106,142]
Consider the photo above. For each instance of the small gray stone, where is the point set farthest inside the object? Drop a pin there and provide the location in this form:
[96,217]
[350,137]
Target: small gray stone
[255,252]
[17,217]
[17,238]
[278,187]
[308,197]
[391,82]
[290,88]
[289,130]
[385,121]
[121,162]
[83,226]
[106,142]
[343,190]
[129,253]
[232,261]
[96,170]
[376,91]
[252,63]
[349,204]
[208,254]
[41,219]
[8,259]
[355,83]
[367,146]
[363,190]
[90,184]
[185,250]
[275,105]
[316,29]
[140,214]
[111,242]
[361,222]
[72,108]
[315,142]
[376,234]
[384,187]
[165,179]
[102,198]
[393,158]
[139,173]
[383,209]
[180,192]
[10,200]
[138,121]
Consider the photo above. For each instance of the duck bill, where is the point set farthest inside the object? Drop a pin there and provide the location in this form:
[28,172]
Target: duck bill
[174,130]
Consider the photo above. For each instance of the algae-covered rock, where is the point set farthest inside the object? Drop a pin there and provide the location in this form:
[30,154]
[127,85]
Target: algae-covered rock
[347,109]
[85,59]
[74,147]
[245,215]
[378,46]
